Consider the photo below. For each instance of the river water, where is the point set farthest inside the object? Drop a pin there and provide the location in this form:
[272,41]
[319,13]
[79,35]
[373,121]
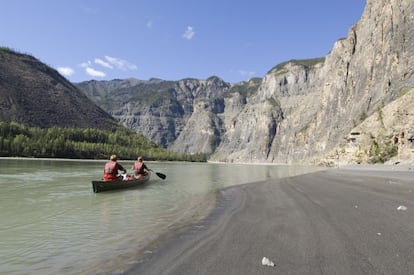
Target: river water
[53,223]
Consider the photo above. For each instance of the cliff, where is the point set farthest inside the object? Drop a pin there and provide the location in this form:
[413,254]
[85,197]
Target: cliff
[321,103]
[158,109]
[301,111]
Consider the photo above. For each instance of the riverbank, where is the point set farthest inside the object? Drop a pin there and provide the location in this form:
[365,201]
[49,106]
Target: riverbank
[352,220]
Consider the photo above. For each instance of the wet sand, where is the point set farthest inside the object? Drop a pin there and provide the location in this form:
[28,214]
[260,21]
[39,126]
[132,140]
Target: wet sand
[339,221]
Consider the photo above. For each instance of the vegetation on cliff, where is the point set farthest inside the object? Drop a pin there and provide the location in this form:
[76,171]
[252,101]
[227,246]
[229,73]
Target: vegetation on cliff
[245,89]
[307,63]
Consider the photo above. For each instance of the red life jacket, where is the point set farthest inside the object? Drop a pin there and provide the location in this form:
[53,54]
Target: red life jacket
[138,168]
[110,171]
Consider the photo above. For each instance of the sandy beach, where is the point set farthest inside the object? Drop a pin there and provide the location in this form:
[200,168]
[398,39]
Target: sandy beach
[352,220]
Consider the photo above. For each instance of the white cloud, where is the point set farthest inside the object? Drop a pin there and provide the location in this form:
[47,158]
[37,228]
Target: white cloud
[120,63]
[149,24]
[189,33]
[247,73]
[92,72]
[103,63]
[107,62]
[86,64]
[66,71]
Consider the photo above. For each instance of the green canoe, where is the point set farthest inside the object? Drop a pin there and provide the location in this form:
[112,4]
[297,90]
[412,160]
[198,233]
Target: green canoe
[100,186]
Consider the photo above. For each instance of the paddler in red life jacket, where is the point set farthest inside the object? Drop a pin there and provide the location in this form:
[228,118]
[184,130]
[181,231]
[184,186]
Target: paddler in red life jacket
[111,169]
[140,169]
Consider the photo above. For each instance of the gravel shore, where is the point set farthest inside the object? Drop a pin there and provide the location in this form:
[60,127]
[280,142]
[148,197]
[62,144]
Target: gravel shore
[352,220]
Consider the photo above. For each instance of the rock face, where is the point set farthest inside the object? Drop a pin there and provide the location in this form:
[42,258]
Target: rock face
[301,111]
[388,134]
[271,126]
[36,95]
[161,109]
[369,69]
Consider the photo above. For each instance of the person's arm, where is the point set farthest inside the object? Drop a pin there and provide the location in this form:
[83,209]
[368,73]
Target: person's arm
[121,168]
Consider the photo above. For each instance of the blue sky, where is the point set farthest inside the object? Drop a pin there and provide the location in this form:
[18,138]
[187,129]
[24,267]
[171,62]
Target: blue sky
[173,39]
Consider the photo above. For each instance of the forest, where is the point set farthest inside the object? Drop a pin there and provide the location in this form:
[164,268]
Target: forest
[18,140]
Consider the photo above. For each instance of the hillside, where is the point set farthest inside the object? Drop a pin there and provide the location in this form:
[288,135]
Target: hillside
[36,95]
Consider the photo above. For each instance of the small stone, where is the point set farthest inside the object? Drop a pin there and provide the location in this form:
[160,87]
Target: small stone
[266,261]
[402,208]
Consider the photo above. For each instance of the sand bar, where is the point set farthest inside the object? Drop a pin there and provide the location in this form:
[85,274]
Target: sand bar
[339,221]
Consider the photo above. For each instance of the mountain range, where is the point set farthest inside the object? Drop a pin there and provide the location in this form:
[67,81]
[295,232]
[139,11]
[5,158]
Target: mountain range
[316,111]
[355,105]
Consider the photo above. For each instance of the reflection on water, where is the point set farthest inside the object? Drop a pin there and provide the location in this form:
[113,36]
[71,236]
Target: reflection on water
[52,222]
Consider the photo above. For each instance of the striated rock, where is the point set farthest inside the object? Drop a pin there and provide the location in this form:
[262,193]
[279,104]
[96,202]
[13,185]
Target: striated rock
[321,102]
[203,130]
[159,109]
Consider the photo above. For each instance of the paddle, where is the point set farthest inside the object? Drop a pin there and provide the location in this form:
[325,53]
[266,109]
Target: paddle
[161,175]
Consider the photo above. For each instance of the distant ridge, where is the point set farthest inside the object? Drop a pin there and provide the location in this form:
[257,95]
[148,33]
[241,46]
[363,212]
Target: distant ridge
[36,95]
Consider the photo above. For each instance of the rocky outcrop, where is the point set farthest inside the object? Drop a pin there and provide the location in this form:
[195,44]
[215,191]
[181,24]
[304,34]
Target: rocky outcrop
[256,133]
[368,69]
[321,103]
[385,136]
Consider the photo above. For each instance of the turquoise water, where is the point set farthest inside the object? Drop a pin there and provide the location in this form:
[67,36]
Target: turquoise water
[52,222]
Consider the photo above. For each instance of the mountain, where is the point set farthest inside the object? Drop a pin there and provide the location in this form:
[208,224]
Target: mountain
[158,109]
[322,110]
[36,95]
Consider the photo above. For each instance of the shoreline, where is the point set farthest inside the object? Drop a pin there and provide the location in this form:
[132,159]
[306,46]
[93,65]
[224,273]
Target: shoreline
[198,211]
[382,166]
[379,167]
[254,215]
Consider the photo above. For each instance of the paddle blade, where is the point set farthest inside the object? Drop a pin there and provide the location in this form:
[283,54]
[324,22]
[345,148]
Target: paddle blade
[161,175]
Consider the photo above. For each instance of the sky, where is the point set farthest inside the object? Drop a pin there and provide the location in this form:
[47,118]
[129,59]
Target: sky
[173,39]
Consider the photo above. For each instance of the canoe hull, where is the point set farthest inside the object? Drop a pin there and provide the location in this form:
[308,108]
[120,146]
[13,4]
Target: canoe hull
[101,186]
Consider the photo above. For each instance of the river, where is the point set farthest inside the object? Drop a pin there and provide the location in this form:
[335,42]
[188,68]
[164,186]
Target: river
[53,223]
